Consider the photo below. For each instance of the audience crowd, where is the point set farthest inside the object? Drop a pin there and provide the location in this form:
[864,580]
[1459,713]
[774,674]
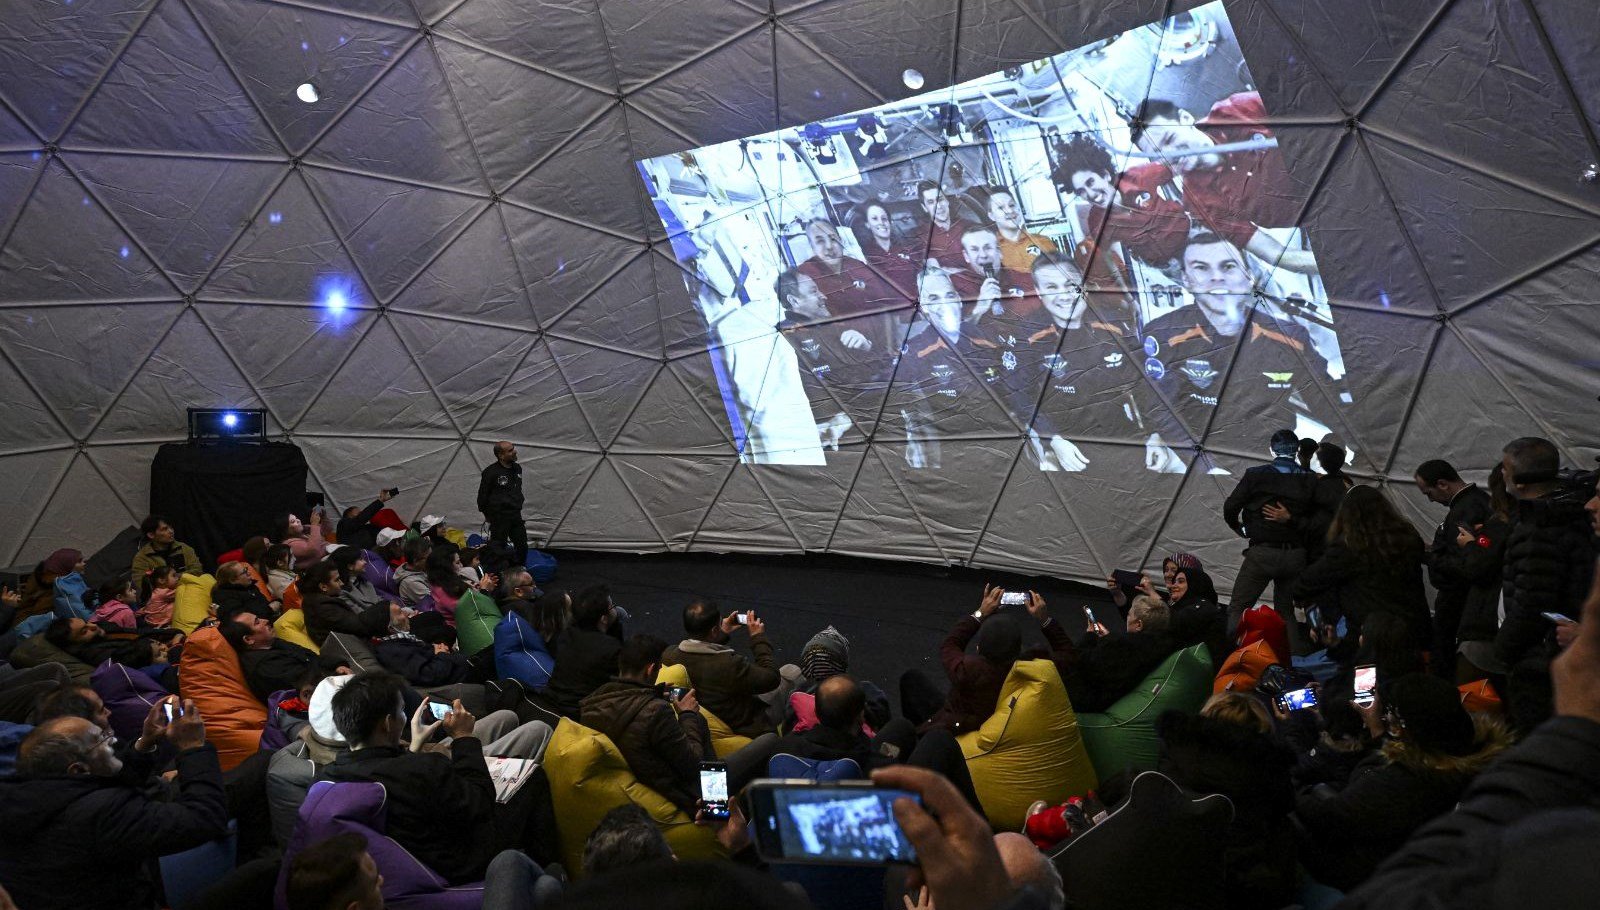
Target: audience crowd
[1358,740]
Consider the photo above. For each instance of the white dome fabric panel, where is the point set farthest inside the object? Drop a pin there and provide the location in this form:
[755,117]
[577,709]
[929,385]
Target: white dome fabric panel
[454,244]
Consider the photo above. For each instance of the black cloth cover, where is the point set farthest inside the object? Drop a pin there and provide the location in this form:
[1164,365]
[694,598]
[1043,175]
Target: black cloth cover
[217,495]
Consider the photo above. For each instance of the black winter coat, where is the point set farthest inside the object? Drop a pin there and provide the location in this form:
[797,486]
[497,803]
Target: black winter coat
[585,660]
[441,809]
[1494,852]
[416,660]
[1366,586]
[663,747]
[243,598]
[1476,568]
[1283,482]
[500,490]
[326,613]
[276,668]
[1470,508]
[1109,668]
[1549,560]
[1210,756]
[85,842]
[1391,794]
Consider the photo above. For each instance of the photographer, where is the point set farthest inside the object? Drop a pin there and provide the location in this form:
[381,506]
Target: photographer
[749,695]
[663,746]
[79,835]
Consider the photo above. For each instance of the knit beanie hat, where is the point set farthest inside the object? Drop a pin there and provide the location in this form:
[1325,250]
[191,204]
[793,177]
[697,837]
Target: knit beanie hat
[321,712]
[1431,710]
[1000,639]
[826,655]
[61,562]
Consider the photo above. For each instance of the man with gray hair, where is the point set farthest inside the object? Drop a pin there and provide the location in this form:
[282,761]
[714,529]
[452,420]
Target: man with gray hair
[1110,666]
[80,835]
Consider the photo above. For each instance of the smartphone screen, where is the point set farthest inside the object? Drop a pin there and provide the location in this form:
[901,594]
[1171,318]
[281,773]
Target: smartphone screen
[714,788]
[439,709]
[841,824]
[1013,599]
[1126,579]
[1298,700]
[1366,682]
[169,711]
[678,692]
[742,619]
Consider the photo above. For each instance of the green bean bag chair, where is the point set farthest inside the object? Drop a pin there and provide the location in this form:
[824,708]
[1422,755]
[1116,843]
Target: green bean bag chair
[1124,736]
[476,617]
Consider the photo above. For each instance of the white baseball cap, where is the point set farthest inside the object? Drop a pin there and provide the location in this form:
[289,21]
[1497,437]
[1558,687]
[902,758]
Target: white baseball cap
[388,536]
[428,521]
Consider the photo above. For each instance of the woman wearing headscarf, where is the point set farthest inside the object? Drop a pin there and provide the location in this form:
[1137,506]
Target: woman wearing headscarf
[1196,617]
[41,592]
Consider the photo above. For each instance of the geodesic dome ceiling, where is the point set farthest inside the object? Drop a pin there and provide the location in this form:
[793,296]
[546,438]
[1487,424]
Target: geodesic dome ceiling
[552,222]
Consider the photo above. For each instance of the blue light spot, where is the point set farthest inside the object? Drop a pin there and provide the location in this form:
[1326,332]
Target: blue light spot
[123,252]
[1383,298]
[86,200]
[336,294]
[35,156]
[386,52]
[305,45]
[275,217]
[342,40]
[336,301]
[561,265]
[816,93]
[230,420]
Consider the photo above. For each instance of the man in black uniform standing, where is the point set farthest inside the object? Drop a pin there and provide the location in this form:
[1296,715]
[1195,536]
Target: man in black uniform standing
[500,500]
[1277,551]
[1469,508]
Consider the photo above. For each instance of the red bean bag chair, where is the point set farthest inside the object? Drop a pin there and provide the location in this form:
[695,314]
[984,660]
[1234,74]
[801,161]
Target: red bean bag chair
[1262,623]
[210,674]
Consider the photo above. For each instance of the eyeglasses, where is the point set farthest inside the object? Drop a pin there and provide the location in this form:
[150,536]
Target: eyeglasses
[105,738]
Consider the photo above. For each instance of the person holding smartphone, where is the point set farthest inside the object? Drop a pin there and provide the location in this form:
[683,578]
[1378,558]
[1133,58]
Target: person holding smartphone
[663,736]
[750,694]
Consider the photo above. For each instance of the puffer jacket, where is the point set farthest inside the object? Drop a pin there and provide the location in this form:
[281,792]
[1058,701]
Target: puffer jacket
[68,596]
[1390,795]
[1477,566]
[1549,560]
[663,748]
[520,652]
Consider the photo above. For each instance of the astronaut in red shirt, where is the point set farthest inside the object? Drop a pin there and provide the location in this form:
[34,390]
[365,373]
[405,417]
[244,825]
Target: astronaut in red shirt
[941,240]
[850,285]
[1235,193]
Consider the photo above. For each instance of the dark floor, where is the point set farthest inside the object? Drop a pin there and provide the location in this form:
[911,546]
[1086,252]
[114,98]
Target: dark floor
[894,613]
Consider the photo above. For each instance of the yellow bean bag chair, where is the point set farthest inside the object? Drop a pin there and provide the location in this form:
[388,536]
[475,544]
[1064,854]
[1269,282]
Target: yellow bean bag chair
[589,777]
[1029,748]
[724,741]
[192,602]
[291,627]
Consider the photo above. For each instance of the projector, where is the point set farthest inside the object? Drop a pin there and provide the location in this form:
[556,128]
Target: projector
[230,424]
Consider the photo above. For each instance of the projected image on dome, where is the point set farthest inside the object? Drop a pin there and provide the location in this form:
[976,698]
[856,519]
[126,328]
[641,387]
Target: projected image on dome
[1095,251]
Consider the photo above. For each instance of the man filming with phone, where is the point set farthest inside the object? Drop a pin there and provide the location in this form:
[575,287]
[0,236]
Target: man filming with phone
[441,808]
[748,694]
[663,746]
[81,834]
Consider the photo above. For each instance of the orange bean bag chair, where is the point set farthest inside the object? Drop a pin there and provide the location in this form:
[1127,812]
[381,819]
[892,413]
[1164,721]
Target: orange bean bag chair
[1243,668]
[210,674]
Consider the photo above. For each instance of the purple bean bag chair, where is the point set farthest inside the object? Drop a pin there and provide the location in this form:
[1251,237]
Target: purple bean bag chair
[128,695]
[335,808]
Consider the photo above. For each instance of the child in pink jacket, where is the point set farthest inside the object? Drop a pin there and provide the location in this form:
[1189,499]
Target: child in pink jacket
[160,587]
[116,597]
